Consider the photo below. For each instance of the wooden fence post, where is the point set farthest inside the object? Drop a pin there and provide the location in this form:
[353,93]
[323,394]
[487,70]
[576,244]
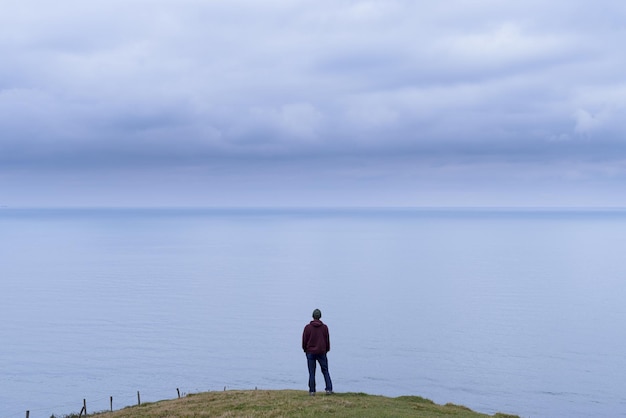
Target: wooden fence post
[138,398]
[111,403]
[27,414]
[178,390]
[85,406]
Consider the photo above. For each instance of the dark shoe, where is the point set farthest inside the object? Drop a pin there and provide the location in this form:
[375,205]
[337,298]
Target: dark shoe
[311,393]
[329,392]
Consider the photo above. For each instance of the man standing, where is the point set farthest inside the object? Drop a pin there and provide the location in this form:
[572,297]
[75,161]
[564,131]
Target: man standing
[316,343]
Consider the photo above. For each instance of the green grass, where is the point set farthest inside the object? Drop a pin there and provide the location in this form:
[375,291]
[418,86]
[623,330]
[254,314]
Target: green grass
[293,403]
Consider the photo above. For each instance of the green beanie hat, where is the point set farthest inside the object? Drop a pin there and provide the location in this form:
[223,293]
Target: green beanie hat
[317,314]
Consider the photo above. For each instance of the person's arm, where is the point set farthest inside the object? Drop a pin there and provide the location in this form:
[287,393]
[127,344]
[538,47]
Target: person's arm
[327,340]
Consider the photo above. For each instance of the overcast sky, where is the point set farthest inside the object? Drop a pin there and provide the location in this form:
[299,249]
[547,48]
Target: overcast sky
[323,103]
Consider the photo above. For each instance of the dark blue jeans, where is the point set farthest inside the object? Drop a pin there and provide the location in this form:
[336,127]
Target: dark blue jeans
[312,360]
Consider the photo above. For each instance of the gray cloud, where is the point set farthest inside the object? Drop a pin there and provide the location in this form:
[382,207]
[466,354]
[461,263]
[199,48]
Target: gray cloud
[217,88]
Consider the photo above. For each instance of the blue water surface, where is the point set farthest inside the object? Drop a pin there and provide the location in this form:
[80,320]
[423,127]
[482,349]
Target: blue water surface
[518,311]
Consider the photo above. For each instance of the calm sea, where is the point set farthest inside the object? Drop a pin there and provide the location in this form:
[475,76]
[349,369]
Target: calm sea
[501,310]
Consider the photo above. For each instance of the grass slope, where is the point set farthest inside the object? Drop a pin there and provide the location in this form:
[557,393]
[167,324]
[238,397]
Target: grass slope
[293,403]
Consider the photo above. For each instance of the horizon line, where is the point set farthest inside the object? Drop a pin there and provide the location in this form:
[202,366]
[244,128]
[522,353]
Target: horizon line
[572,208]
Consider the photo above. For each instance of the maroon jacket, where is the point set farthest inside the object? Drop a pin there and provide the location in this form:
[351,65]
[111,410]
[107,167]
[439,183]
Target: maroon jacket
[315,338]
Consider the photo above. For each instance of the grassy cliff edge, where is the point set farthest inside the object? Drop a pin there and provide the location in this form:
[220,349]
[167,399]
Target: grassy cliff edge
[293,403]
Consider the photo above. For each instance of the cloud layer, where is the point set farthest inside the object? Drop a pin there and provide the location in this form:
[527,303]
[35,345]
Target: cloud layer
[339,97]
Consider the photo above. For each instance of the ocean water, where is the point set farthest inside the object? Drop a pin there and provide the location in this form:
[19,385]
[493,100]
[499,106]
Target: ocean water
[499,310]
